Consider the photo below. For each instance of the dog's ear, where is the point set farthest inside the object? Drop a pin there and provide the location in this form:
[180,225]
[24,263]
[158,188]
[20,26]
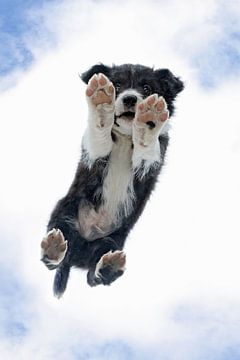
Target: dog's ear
[169,84]
[95,69]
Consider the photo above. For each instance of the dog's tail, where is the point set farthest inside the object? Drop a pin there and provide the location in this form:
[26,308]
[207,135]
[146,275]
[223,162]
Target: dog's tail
[61,279]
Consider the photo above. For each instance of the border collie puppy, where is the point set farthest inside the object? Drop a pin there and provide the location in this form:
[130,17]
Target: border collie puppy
[123,150]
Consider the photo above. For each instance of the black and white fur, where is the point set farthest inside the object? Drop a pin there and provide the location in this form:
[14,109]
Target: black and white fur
[123,150]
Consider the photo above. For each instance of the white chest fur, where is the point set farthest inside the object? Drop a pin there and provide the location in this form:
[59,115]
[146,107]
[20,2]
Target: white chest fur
[118,190]
[118,194]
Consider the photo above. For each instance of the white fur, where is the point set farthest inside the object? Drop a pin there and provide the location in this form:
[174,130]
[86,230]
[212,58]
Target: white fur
[145,139]
[118,184]
[145,157]
[124,162]
[146,148]
[97,139]
[97,142]
[125,126]
[119,106]
[118,193]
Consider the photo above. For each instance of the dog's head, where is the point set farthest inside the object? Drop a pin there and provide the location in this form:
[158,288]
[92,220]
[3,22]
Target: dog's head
[133,83]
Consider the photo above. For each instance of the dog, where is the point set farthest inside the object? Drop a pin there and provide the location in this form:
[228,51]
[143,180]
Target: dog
[123,151]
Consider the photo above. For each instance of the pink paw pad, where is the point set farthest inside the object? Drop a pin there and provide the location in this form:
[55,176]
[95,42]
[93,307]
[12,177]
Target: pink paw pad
[100,90]
[116,259]
[54,245]
[153,109]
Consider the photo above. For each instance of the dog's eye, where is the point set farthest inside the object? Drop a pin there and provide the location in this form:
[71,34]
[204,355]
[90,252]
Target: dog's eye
[117,87]
[147,90]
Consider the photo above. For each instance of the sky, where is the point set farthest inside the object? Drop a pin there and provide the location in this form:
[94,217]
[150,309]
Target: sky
[179,298]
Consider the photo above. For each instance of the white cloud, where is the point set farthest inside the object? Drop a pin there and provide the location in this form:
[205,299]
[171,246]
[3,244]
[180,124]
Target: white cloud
[184,248]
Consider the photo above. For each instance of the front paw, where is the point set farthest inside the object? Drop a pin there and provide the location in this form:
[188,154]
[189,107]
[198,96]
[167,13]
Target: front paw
[101,100]
[150,119]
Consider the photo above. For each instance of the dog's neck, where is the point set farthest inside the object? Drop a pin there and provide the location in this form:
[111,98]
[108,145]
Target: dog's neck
[117,131]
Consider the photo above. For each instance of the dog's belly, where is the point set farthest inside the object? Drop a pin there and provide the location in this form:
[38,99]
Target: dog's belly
[117,194]
[95,224]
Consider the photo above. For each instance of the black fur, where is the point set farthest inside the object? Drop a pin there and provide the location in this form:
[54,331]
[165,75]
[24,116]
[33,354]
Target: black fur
[161,81]
[87,184]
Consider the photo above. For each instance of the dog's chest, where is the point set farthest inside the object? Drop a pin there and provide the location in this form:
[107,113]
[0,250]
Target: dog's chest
[117,194]
[118,191]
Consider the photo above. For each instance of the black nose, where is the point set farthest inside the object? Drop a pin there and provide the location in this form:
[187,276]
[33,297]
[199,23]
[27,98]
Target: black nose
[130,100]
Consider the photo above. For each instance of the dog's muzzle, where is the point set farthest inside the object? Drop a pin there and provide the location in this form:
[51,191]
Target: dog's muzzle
[129,103]
[129,115]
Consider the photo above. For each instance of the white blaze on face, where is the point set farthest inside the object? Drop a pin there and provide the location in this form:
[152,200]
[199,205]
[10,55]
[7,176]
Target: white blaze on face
[125,124]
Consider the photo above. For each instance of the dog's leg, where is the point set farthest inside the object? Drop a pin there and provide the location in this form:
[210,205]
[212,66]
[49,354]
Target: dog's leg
[150,120]
[97,140]
[54,250]
[106,264]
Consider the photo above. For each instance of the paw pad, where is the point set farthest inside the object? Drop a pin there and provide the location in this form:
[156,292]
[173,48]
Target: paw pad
[152,109]
[114,262]
[100,90]
[54,246]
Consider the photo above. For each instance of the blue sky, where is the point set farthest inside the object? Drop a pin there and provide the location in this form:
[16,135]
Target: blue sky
[217,60]
[220,58]
[189,309]
[13,300]
[200,324]
[15,25]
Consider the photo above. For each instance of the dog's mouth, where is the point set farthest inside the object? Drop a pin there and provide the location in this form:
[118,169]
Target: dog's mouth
[129,115]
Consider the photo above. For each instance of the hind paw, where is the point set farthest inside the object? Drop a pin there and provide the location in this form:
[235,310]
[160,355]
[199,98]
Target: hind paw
[53,248]
[108,269]
[110,266]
